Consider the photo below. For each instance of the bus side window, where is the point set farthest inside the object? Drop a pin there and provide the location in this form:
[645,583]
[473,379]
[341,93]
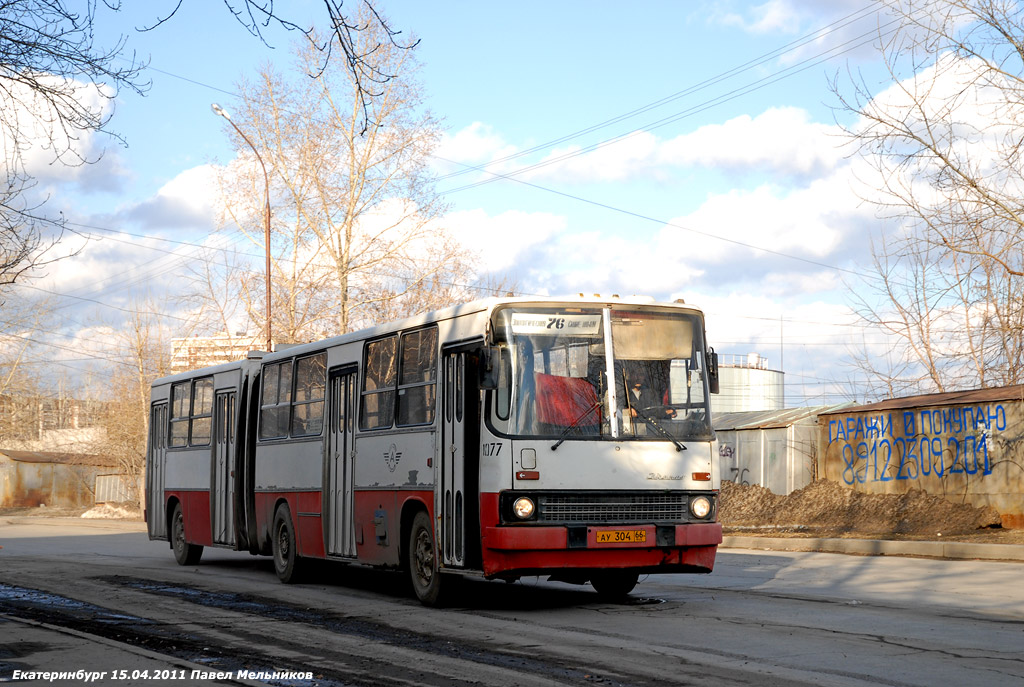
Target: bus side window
[180,396]
[202,412]
[377,400]
[417,381]
[310,385]
[503,391]
[275,401]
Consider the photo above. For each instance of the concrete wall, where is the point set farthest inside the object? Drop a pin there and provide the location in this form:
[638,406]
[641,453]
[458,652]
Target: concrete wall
[968,452]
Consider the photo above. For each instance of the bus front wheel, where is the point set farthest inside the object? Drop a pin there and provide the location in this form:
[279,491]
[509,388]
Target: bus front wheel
[286,559]
[184,553]
[614,584]
[422,561]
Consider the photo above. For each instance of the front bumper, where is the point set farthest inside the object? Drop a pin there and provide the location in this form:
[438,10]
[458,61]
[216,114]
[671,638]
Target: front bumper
[549,549]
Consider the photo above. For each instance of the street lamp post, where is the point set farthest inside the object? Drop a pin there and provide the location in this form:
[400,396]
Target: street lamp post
[266,216]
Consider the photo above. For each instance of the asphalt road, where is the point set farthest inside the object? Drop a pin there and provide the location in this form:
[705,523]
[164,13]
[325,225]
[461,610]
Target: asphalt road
[96,601]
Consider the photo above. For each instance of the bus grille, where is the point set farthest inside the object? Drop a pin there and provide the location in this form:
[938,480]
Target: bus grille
[614,508]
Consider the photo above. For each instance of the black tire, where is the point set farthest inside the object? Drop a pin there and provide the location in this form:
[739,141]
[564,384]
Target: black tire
[184,553]
[614,584]
[421,560]
[282,540]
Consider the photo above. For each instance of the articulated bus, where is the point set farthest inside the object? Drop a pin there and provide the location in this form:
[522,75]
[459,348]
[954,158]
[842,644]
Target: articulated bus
[510,437]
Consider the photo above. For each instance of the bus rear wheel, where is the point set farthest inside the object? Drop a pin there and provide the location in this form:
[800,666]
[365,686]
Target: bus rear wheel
[282,536]
[184,553]
[422,561]
[614,584]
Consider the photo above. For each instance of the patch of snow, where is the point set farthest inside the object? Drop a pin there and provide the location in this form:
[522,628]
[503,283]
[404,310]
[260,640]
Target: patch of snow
[106,511]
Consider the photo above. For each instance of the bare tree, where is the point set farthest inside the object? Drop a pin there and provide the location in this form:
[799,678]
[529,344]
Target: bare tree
[143,351]
[224,290]
[943,144]
[956,320]
[25,239]
[19,394]
[24,323]
[359,35]
[56,86]
[232,295]
[357,231]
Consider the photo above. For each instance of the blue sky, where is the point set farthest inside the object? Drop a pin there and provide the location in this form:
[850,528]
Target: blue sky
[726,186]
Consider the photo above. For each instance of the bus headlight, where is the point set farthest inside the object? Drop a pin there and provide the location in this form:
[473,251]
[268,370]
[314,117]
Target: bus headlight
[523,508]
[700,507]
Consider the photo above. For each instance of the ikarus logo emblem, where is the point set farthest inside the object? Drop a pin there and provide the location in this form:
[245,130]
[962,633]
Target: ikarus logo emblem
[391,457]
[661,478]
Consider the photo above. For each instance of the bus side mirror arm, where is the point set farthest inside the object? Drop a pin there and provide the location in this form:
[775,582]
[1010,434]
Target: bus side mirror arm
[712,360]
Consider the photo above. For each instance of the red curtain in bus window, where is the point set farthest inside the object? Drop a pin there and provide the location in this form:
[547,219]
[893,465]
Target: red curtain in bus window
[563,401]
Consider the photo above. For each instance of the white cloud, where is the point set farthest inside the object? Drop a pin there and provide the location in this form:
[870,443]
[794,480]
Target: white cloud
[825,29]
[48,151]
[629,156]
[967,109]
[754,321]
[808,222]
[100,341]
[780,140]
[112,265]
[569,262]
[819,221]
[501,240]
[774,16]
[788,284]
[972,119]
[477,142]
[189,199]
[806,211]
[476,145]
[809,340]
[592,262]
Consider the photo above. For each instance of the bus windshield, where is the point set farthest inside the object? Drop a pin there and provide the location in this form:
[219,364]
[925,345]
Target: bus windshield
[626,372]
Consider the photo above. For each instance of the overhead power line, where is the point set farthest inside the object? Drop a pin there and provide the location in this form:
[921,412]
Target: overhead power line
[106,305]
[663,222]
[758,61]
[756,85]
[127,281]
[51,344]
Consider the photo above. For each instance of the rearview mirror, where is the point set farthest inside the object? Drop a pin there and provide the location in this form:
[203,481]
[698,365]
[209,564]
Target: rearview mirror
[712,359]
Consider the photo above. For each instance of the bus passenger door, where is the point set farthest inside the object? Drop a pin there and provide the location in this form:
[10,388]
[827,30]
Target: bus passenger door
[339,523]
[222,499]
[156,511]
[458,500]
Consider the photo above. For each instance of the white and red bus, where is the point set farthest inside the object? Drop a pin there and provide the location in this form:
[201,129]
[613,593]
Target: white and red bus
[507,437]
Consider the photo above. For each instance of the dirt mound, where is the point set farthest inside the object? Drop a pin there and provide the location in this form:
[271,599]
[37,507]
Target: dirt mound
[824,508]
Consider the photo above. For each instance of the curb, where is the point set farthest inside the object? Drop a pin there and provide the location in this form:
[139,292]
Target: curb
[880,547]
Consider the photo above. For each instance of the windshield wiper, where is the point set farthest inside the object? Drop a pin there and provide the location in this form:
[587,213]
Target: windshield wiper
[660,429]
[576,423]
